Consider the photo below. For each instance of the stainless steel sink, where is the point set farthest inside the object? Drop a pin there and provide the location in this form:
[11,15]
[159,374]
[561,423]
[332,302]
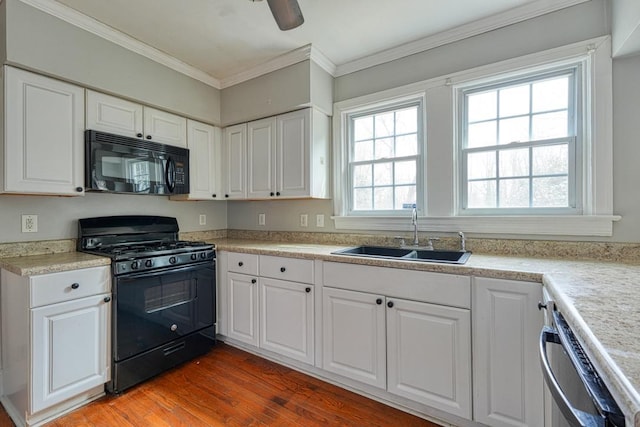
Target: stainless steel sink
[407,254]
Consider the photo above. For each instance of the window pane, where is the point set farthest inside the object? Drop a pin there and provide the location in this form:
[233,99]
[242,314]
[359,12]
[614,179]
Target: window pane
[482,134]
[383,198]
[407,145]
[481,194]
[550,125]
[384,124]
[514,130]
[382,174]
[514,193]
[363,150]
[514,162]
[384,148]
[482,106]
[514,101]
[405,173]
[405,194]
[363,128]
[362,176]
[551,160]
[551,94]
[481,165]
[407,121]
[551,192]
[362,199]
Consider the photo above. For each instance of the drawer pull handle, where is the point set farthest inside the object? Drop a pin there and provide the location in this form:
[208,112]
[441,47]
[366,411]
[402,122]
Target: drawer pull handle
[107,299]
[379,301]
[75,285]
[282,269]
[240,264]
[307,289]
[390,304]
[253,280]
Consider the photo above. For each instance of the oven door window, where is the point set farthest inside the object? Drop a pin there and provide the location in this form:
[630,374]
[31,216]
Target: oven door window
[159,308]
[125,169]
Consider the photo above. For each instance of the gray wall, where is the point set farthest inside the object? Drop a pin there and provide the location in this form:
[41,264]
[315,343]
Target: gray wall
[46,44]
[57,216]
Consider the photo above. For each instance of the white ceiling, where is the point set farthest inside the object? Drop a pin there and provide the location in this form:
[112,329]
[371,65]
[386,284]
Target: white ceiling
[226,37]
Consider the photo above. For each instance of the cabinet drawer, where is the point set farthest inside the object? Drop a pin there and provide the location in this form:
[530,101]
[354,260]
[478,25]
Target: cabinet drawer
[57,287]
[292,269]
[242,263]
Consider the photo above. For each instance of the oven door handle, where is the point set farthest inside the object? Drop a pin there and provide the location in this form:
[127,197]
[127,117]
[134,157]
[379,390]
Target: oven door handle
[575,417]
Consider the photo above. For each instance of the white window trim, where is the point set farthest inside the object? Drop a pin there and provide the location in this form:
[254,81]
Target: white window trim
[597,217]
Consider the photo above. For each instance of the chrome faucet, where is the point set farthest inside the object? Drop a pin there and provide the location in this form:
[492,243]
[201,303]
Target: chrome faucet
[463,241]
[414,222]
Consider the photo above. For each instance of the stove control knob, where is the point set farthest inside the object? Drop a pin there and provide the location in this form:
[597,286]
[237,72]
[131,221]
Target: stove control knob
[135,265]
[148,263]
[203,255]
[172,260]
[194,257]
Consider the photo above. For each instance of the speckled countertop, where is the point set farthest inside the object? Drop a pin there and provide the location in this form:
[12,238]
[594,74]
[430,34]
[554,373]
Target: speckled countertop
[601,301]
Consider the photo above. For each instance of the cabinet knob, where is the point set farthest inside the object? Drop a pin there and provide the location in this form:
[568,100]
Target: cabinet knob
[79,189]
[282,269]
[253,280]
[213,195]
[75,285]
[148,136]
[379,301]
[542,306]
[390,304]
[226,195]
[271,194]
[307,289]
[107,299]
[277,193]
[240,264]
[139,135]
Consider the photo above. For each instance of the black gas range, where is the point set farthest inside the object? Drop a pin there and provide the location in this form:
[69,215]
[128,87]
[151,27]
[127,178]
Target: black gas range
[163,309]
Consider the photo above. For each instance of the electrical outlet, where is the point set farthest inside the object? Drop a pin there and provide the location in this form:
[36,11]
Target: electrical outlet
[29,223]
[203,219]
[320,220]
[304,220]
[262,219]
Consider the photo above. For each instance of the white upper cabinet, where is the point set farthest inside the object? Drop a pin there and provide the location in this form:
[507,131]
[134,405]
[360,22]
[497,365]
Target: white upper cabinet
[43,140]
[235,161]
[115,115]
[261,155]
[205,162]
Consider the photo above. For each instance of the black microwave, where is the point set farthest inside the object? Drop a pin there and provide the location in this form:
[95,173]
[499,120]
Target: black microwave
[122,164]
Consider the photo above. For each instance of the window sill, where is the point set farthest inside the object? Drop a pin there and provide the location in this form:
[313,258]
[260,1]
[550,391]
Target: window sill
[570,225]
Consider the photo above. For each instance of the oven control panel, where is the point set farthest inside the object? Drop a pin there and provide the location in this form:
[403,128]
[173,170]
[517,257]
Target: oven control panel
[135,265]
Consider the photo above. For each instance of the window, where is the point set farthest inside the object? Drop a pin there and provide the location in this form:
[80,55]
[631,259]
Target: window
[520,147]
[384,159]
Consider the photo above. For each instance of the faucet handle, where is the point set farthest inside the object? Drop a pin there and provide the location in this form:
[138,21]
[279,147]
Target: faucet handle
[430,241]
[400,240]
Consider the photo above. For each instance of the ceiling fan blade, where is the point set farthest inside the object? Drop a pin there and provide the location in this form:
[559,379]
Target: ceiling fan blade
[287,13]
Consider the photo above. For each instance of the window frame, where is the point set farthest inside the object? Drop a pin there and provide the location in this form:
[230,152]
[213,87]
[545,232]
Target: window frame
[575,142]
[396,105]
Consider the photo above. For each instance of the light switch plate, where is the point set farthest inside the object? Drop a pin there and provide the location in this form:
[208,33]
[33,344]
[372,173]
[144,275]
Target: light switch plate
[320,220]
[304,220]
[203,219]
[262,219]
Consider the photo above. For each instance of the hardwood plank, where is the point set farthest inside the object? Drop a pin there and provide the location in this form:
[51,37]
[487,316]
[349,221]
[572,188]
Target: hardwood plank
[230,387]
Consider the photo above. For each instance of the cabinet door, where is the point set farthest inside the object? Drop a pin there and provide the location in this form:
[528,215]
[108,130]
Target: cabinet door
[261,154]
[293,154]
[243,308]
[429,354]
[164,128]
[110,114]
[508,385]
[235,149]
[70,350]
[286,319]
[205,161]
[353,327]
[44,139]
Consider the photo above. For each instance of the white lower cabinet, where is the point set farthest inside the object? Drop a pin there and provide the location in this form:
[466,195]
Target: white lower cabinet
[508,384]
[243,308]
[55,341]
[412,349]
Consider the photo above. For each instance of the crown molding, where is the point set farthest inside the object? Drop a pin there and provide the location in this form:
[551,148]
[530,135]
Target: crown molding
[509,17]
[99,29]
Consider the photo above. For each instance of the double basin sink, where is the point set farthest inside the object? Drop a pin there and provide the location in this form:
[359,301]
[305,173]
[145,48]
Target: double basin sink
[407,254]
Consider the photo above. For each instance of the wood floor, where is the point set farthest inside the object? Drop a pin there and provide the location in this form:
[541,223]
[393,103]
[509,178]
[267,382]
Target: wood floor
[233,388]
